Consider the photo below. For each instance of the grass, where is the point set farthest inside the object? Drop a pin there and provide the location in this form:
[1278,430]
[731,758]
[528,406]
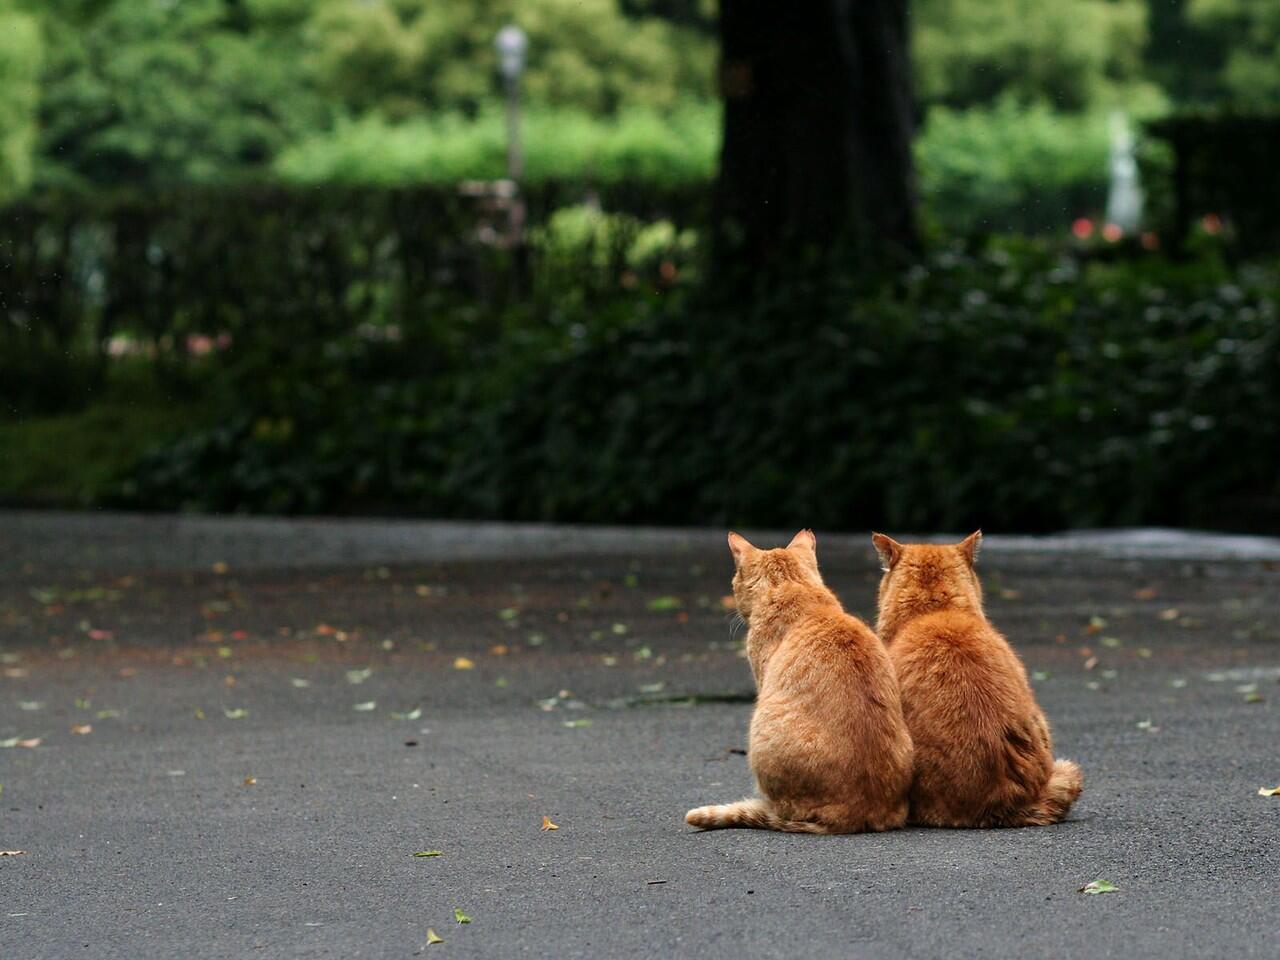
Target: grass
[75,459]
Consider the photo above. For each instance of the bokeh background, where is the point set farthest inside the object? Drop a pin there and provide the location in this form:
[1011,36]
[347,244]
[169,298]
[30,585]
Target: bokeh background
[937,264]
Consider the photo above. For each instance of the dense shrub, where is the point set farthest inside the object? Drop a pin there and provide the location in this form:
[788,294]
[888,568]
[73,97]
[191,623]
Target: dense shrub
[1010,388]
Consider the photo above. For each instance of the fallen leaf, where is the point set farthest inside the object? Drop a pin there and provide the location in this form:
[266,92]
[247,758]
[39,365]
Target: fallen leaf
[499,650]
[220,568]
[509,614]
[250,781]
[619,629]
[414,714]
[653,687]
[1146,593]
[31,743]
[429,853]
[463,663]
[359,676]
[235,713]
[82,728]
[366,707]
[1098,886]
[1170,614]
[577,723]
[12,853]
[1091,663]
[1148,726]
[548,825]
[460,916]
[659,604]
[299,682]
[1269,791]
[1254,698]
[1110,641]
[433,937]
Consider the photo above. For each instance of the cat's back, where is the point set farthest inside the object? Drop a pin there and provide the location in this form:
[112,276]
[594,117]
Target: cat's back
[836,640]
[958,652]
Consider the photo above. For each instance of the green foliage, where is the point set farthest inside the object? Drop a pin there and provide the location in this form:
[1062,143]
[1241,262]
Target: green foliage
[77,458]
[1251,74]
[189,92]
[1010,387]
[21,49]
[1011,167]
[1072,53]
[639,144]
[398,56]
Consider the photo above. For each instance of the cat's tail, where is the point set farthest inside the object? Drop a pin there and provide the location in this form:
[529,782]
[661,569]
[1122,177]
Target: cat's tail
[754,813]
[1059,793]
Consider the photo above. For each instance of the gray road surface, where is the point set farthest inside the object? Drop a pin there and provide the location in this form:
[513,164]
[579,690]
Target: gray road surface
[393,688]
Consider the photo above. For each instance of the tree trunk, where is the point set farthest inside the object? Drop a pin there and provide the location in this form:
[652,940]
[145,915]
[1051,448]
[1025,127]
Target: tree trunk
[817,130]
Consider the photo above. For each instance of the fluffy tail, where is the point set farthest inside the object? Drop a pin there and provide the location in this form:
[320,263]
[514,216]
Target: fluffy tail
[1060,791]
[754,813]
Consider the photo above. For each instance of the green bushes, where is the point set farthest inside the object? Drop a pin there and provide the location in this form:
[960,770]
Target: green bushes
[1007,167]
[1009,387]
[1011,167]
[677,146]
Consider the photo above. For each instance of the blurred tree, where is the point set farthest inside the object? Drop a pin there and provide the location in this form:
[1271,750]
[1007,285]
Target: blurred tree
[20,55]
[1184,58]
[150,92]
[402,55]
[1250,75]
[1065,52]
[817,130]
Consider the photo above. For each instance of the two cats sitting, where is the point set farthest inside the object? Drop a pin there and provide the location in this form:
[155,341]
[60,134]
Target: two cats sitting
[932,722]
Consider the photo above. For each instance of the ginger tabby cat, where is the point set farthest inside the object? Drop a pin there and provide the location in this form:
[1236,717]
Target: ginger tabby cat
[828,745]
[984,757]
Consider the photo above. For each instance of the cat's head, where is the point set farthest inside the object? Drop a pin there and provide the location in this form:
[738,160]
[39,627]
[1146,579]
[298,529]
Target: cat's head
[758,571]
[925,576]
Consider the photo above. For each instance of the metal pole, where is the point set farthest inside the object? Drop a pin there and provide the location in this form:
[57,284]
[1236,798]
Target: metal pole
[515,150]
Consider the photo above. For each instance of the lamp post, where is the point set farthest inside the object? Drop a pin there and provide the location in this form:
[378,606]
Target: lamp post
[511,44]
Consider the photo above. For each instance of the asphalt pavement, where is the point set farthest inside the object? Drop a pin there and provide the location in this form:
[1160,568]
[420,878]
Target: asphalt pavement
[230,737]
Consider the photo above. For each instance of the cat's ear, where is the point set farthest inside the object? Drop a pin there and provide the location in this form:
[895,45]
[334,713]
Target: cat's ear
[739,547]
[890,550]
[970,546]
[805,540]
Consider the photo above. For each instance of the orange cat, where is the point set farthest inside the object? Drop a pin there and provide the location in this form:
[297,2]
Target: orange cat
[828,744]
[984,757]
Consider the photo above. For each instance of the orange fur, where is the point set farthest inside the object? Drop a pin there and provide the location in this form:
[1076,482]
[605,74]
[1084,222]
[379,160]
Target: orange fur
[828,745]
[984,756]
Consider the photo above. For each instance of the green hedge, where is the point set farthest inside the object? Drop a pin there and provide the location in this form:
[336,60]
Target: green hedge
[1010,388]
